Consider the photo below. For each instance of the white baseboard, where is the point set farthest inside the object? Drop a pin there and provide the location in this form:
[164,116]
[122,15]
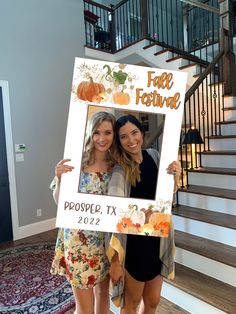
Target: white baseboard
[35,228]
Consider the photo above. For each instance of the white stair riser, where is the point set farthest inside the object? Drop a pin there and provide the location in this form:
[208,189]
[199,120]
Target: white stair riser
[230,115]
[228,129]
[207,266]
[161,59]
[223,144]
[152,50]
[191,70]
[178,63]
[213,180]
[186,301]
[229,102]
[217,204]
[205,230]
[149,54]
[219,161]
[122,54]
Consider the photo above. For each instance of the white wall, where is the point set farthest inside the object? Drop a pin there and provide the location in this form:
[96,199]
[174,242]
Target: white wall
[39,41]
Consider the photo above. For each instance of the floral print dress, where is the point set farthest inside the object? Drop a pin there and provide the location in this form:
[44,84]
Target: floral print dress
[80,254]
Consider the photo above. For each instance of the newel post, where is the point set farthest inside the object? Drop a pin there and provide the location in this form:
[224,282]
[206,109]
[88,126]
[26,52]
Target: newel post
[112,28]
[226,42]
[144,16]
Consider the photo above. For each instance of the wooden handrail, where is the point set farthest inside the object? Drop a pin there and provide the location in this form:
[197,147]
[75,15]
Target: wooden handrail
[99,5]
[201,5]
[198,82]
[178,51]
[119,4]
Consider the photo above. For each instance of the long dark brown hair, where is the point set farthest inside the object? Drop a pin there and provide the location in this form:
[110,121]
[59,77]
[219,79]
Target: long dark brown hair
[130,166]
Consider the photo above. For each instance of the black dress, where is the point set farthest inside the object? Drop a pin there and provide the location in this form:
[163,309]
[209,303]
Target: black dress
[142,252]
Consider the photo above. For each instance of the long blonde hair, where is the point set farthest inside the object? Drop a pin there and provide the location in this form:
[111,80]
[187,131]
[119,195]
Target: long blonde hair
[94,123]
[125,160]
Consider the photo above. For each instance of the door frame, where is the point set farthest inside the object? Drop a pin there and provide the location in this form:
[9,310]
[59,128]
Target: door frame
[10,158]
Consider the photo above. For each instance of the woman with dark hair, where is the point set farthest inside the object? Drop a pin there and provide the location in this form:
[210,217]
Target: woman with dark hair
[80,254]
[145,259]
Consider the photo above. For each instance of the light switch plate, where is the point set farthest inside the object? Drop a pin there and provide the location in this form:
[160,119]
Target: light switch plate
[20,148]
[20,157]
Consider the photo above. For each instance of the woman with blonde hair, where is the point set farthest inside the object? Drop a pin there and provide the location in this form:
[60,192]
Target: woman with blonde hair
[80,254]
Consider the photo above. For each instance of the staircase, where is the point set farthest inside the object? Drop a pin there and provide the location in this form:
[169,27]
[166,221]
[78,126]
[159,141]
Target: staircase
[205,217]
[205,223]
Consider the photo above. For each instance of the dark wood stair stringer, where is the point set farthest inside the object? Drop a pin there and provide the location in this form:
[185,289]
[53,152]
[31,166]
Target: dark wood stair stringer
[167,307]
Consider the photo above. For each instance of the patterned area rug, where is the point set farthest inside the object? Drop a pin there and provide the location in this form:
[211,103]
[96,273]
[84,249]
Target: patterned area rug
[26,285]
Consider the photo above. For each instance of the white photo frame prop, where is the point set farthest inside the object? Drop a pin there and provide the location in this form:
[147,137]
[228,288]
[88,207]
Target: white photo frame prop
[122,87]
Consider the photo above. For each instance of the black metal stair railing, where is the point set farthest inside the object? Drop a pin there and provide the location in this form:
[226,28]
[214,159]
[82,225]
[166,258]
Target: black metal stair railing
[171,23]
[204,111]
[98,25]
[187,31]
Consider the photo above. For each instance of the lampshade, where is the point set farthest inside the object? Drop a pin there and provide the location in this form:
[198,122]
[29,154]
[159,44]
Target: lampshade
[193,137]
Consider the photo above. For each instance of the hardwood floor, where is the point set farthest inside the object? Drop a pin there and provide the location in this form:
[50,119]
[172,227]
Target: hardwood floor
[47,237]
[165,307]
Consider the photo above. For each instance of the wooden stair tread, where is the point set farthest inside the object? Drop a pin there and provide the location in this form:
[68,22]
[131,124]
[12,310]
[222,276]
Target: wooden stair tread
[177,58]
[204,215]
[149,46]
[190,58]
[162,51]
[205,288]
[164,307]
[202,65]
[229,108]
[210,191]
[219,152]
[221,136]
[216,251]
[167,307]
[226,122]
[187,66]
[216,83]
[178,52]
[214,170]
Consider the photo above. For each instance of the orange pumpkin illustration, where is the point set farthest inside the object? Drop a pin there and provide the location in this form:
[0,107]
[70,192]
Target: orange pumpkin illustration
[124,225]
[162,228]
[89,90]
[100,97]
[121,98]
[157,217]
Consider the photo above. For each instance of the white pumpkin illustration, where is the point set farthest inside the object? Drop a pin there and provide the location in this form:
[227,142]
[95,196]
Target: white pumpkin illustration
[137,216]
